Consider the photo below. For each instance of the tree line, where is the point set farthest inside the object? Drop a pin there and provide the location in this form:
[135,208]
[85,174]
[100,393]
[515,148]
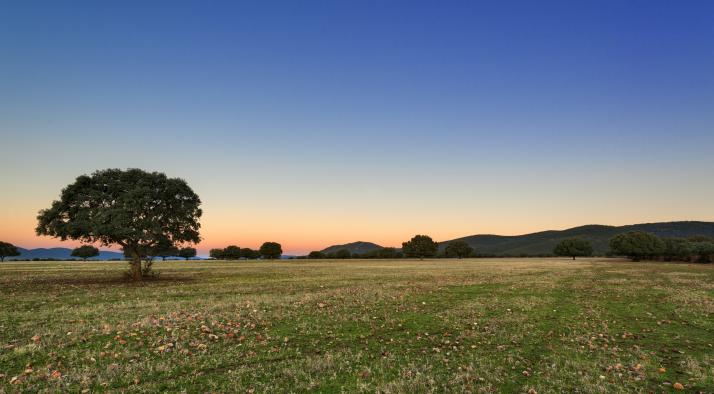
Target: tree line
[640,245]
[269,250]
[636,245]
[420,246]
[148,214]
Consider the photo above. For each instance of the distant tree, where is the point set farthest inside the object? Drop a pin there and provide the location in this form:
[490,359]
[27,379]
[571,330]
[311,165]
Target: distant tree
[420,246]
[85,251]
[316,255]
[133,208]
[271,250]
[573,247]
[164,249]
[8,250]
[704,251]
[458,249]
[677,249]
[249,254]
[387,253]
[700,238]
[343,254]
[232,252]
[187,253]
[637,245]
[216,253]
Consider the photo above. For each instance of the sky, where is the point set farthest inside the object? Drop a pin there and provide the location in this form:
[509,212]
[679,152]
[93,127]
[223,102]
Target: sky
[314,123]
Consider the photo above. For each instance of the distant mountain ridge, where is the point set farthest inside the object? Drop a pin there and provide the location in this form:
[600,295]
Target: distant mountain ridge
[543,242]
[358,247]
[60,254]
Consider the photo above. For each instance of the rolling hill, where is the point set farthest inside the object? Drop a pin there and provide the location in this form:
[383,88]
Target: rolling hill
[543,242]
[61,254]
[358,247]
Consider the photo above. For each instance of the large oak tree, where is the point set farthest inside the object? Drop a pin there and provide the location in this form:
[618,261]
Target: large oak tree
[134,209]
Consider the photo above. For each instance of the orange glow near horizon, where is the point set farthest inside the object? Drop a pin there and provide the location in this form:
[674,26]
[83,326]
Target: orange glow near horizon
[302,224]
[302,233]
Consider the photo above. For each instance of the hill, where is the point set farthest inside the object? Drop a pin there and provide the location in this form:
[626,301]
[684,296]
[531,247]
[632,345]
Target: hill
[61,254]
[543,242]
[358,247]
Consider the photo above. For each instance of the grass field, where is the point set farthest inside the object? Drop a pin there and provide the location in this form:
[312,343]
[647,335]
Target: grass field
[481,325]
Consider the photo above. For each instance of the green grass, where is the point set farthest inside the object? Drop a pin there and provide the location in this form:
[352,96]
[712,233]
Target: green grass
[480,325]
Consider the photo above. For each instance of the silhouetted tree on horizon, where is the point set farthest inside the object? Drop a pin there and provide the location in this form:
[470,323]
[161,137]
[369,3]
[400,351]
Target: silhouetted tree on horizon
[315,254]
[85,251]
[8,250]
[573,247]
[271,250]
[187,253]
[420,246]
[232,252]
[458,249]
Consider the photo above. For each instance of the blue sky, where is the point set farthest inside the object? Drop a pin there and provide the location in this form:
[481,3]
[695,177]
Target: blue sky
[341,121]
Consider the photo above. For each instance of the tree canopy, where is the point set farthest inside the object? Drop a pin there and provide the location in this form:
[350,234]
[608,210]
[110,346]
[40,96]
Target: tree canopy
[232,252]
[458,249]
[8,250]
[187,252]
[271,250]
[637,245]
[248,253]
[387,253]
[164,249]
[216,253]
[85,251]
[420,246]
[704,250]
[315,254]
[131,208]
[573,247]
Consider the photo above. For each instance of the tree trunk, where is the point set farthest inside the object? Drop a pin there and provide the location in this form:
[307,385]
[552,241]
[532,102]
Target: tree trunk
[573,257]
[135,266]
[136,269]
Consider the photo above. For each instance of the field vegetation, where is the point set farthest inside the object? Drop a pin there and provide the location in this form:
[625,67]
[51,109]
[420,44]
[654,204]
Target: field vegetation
[402,326]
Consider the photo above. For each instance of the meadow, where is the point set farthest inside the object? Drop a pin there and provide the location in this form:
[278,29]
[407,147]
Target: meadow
[475,325]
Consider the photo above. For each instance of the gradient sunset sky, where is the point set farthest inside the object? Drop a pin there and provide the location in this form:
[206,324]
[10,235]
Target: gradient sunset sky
[312,123]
